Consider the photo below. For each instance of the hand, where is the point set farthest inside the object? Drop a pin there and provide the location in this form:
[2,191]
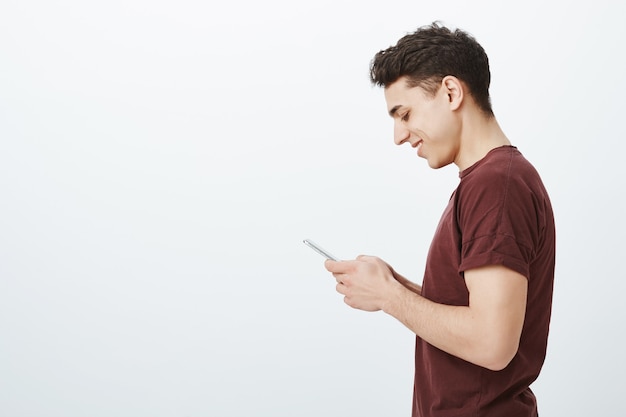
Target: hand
[365,282]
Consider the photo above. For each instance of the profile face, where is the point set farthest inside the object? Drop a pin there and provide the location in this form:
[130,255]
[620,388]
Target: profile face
[428,123]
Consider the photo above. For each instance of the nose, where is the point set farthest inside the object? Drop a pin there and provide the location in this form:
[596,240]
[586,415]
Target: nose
[400,133]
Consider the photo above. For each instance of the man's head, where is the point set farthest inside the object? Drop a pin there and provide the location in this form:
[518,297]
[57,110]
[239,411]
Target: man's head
[437,90]
[431,53]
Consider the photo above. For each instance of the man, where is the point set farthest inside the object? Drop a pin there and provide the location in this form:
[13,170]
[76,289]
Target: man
[482,314]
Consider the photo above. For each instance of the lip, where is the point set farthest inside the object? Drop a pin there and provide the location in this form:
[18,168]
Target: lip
[418,145]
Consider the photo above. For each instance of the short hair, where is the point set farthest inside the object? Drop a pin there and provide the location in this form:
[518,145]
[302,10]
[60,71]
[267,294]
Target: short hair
[431,53]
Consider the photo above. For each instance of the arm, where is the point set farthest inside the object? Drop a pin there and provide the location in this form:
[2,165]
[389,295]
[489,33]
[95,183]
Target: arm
[485,333]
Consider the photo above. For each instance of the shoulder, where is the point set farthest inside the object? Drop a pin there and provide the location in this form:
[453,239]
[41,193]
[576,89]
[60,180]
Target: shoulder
[500,188]
[500,170]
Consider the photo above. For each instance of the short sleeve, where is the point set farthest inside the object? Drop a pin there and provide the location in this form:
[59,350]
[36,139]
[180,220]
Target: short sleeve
[498,218]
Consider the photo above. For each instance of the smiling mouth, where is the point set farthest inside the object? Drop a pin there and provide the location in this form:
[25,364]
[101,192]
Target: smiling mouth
[417,145]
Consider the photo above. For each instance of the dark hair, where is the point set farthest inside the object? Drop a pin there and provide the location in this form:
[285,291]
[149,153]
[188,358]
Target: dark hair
[429,54]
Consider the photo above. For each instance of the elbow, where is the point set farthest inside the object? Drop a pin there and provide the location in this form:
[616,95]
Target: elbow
[498,364]
[496,358]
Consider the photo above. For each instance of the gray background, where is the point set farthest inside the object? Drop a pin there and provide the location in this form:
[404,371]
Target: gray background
[161,162]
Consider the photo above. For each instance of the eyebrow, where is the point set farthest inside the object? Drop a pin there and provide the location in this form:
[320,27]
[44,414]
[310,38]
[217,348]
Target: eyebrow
[394,110]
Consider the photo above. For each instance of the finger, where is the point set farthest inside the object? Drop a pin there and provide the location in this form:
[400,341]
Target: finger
[330,266]
[338,267]
[345,300]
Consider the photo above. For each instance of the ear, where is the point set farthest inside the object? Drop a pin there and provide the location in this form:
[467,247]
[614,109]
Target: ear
[453,88]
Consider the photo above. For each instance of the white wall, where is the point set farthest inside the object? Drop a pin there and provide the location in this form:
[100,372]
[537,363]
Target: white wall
[161,162]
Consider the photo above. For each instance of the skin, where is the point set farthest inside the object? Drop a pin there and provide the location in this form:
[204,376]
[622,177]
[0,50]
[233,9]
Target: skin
[445,128]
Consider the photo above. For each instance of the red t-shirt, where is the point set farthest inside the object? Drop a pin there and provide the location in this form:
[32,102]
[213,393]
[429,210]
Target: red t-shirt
[500,214]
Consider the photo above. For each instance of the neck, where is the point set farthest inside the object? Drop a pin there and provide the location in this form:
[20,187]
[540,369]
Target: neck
[479,136]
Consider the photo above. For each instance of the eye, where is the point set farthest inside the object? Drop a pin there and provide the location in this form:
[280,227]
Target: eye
[405,117]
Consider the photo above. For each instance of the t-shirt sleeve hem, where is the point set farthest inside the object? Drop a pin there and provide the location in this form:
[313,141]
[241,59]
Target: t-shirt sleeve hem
[494,258]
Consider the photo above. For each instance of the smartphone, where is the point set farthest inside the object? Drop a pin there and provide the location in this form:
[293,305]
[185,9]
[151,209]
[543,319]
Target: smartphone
[319,250]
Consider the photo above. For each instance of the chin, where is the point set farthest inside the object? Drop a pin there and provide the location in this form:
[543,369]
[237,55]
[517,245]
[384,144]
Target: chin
[436,163]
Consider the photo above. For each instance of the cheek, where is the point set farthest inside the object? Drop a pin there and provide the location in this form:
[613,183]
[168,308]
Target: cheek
[445,130]
[442,145]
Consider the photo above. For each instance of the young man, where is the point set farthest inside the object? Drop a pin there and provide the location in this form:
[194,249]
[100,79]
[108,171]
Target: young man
[482,314]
